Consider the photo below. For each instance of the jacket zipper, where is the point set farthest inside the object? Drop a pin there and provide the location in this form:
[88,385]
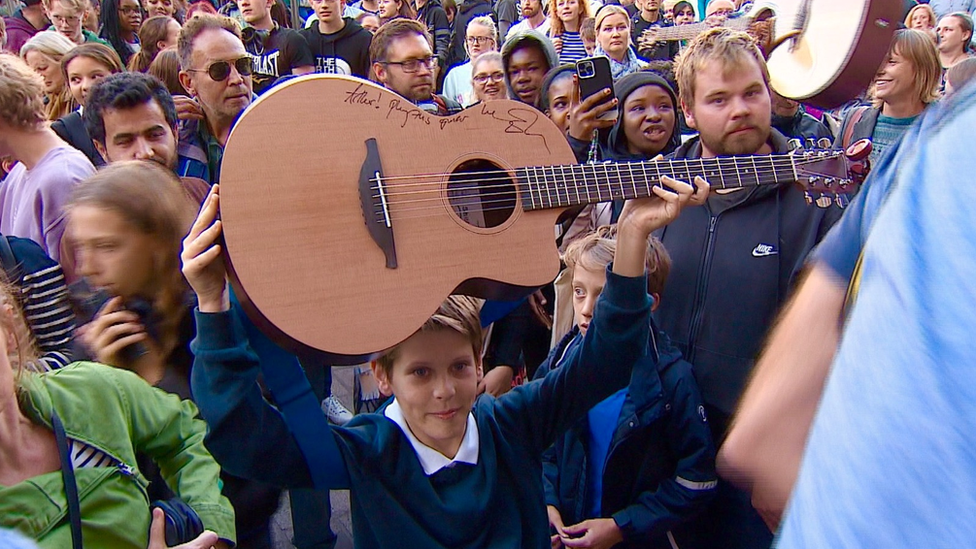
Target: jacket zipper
[697,311]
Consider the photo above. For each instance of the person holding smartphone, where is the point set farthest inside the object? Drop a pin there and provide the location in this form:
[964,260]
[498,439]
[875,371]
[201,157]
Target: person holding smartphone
[646,124]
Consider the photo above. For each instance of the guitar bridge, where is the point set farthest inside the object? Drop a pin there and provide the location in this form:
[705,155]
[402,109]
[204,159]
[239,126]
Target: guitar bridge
[376,211]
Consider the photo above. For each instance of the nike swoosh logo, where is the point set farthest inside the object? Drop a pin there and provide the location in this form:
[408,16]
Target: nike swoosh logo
[764,250]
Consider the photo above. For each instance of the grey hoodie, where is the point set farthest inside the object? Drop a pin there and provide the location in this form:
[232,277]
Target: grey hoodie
[516,40]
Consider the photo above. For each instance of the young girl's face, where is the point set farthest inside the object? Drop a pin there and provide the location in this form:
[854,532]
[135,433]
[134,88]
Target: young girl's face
[371,23]
[560,96]
[388,8]
[83,73]
[587,286]
[568,11]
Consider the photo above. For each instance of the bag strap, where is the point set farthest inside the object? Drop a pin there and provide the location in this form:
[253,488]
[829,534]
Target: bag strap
[70,486]
[855,117]
[286,380]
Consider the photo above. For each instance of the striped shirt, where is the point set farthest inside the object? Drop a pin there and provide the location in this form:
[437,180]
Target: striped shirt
[573,49]
[44,296]
[83,455]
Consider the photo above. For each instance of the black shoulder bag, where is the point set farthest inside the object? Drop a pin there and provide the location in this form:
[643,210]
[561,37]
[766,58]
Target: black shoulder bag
[70,486]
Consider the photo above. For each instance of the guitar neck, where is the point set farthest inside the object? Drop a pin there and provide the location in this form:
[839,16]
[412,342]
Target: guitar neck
[544,187]
[691,30]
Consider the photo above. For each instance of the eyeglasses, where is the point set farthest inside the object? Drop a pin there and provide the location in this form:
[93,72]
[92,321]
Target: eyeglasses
[495,77]
[412,65]
[70,19]
[478,40]
[220,70]
[128,10]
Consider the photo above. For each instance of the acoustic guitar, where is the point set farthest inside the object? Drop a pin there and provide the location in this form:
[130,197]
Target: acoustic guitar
[345,233]
[820,52]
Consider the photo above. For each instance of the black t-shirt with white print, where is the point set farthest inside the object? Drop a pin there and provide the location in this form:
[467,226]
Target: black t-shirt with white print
[275,54]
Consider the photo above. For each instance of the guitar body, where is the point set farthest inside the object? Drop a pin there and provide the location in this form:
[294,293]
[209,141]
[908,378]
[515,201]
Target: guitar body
[301,257]
[837,54]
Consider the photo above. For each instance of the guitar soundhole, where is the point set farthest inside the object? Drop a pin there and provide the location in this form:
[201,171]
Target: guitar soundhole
[481,194]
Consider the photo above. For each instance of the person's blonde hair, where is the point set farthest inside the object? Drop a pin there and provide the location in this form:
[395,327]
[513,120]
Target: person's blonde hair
[458,313]
[55,46]
[556,24]
[24,355]
[606,11]
[21,94]
[924,7]
[728,47]
[80,6]
[918,49]
[595,251]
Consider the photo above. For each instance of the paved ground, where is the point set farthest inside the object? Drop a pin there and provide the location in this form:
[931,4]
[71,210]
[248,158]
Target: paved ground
[341,522]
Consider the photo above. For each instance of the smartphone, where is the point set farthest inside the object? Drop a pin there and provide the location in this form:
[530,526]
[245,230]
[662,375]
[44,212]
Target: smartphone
[594,77]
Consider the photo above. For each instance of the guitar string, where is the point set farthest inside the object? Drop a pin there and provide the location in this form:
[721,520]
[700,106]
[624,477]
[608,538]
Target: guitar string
[511,195]
[436,184]
[503,178]
[777,160]
[556,198]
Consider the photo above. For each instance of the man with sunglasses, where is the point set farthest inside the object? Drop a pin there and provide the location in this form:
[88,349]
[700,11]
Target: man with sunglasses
[275,51]
[403,61]
[216,72]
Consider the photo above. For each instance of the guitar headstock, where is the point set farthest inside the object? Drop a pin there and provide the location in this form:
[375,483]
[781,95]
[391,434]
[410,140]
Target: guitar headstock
[831,176]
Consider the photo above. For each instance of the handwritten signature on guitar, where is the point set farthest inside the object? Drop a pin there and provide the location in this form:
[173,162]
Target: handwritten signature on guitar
[520,120]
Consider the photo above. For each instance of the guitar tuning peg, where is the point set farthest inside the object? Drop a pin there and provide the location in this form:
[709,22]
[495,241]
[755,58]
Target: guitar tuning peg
[811,143]
[824,143]
[793,144]
[808,197]
[841,200]
[824,202]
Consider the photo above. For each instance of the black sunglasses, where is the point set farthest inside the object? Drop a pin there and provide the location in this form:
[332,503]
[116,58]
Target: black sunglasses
[220,70]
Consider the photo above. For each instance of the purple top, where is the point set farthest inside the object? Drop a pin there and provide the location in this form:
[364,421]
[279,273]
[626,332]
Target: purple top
[32,201]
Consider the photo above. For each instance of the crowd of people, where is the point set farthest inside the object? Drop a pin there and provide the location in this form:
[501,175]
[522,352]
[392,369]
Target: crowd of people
[659,393]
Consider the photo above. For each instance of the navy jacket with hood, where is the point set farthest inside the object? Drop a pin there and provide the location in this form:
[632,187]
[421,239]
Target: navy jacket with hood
[733,261]
[660,468]
[349,46]
[615,147]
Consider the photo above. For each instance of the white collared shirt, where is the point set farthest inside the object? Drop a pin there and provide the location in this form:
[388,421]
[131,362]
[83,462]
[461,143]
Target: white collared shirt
[432,460]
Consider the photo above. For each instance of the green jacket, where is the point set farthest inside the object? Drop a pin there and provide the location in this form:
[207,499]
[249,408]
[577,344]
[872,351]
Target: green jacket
[119,413]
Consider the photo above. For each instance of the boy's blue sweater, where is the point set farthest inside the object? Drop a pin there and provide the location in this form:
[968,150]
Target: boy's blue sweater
[499,502]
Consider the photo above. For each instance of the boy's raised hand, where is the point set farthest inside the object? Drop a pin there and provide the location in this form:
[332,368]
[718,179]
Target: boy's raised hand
[640,217]
[202,265]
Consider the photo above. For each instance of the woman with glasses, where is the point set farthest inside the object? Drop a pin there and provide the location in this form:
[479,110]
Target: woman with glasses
[121,20]
[82,67]
[488,77]
[482,37]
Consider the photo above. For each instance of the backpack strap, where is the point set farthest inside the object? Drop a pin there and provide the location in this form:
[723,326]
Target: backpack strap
[852,121]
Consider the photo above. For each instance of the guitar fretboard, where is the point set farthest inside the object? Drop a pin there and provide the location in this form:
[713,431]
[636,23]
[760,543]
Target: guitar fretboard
[691,30]
[545,187]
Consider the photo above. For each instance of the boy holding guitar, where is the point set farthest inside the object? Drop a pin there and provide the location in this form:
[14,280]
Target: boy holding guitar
[438,466]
